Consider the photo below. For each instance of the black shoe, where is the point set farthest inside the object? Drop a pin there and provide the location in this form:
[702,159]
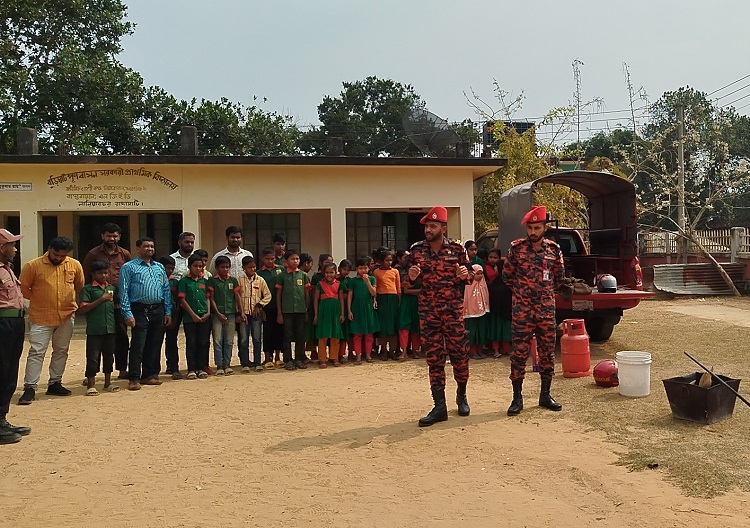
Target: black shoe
[547,401]
[439,413]
[516,406]
[300,364]
[9,437]
[176,375]
[20,430]
[56,389]
[28,396]
[289,365]
[461,401]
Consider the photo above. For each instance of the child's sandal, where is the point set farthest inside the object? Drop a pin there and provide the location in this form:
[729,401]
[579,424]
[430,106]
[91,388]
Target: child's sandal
[322,364]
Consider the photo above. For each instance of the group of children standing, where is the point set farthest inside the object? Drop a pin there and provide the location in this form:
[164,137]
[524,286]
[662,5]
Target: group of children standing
[284,313]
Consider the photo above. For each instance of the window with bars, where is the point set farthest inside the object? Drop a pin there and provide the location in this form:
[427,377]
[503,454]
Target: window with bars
[368,230]
[259,228]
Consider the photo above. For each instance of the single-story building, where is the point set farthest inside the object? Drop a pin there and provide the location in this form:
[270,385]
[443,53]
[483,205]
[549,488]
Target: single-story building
[342,205]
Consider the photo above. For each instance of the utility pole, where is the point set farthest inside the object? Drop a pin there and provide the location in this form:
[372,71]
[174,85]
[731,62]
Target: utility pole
[681,175]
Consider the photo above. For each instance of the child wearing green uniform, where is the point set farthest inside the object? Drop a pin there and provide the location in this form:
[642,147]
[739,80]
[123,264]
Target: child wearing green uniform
[345,266]
[408,318]
[172,330]
[98,301]
[362,320]
[192,290]
[291,309]
[328,316]
[226,308]
[273,332]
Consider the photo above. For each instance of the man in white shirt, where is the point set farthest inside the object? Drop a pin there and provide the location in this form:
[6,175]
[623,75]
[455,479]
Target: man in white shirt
[233,251]
[186,243]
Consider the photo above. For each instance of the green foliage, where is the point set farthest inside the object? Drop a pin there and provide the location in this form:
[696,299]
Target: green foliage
[368,116]
[58,75]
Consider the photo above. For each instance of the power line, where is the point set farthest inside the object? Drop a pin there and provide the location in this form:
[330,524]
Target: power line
[730,84]
[738,99]
[733,92]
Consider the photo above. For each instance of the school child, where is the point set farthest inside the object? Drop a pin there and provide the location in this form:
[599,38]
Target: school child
[471,253]
[291,309]
[226,307]
[192,290]
[279,248]
[311,341]
[408,318]
[476,309]
[401,259]
[202,253]
[171,351]
[273,332]
[345,267]
[388,288]
[500,305]
[98,301]
[362,319]
[328,316]
[255,295]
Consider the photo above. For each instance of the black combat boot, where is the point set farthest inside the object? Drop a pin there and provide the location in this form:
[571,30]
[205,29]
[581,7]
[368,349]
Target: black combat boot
[547,401]
[463,404]
[516,406]
[439,413]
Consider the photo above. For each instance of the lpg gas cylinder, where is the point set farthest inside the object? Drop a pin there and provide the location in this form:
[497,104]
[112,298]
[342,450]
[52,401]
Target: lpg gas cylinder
[574,345]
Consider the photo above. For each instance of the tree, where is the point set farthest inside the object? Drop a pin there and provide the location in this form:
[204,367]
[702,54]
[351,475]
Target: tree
[58,74]
[224,128]
[368,116]
[527,158]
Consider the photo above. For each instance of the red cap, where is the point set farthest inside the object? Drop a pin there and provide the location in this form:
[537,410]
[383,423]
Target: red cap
[436,214]
[6,236]
[537,214]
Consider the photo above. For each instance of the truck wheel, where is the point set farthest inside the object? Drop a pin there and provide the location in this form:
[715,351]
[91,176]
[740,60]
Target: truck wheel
[599,328]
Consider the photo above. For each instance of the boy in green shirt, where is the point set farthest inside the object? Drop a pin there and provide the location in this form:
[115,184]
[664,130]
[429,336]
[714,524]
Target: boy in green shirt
[291,309]
[273,332]
[98,301]
[193,294]
[226,306]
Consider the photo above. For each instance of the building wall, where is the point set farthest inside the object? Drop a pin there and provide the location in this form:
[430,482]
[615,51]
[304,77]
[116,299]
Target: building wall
[211,197]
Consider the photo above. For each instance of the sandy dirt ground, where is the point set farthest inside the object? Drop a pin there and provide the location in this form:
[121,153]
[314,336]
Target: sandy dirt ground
[336,447]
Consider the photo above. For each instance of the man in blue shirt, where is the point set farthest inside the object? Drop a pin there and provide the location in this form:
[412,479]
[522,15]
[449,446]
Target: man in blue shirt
[146,306]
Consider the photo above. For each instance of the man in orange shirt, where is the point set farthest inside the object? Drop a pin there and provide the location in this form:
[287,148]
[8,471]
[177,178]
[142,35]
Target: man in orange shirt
[51,283]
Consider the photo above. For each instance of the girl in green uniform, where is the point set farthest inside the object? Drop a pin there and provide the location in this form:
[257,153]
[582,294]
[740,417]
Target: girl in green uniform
[498,331]
[408,318]
[362,320]
[345,267]
[328,316]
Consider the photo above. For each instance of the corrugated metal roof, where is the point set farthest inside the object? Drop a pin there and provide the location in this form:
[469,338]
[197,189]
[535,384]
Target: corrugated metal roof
[696,279]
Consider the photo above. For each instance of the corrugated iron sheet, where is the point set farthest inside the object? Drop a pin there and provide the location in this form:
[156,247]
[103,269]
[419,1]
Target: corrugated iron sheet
[696,279]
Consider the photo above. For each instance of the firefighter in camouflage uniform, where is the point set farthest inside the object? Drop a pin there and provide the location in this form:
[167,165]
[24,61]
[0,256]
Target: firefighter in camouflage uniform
[441,265]
[533,270]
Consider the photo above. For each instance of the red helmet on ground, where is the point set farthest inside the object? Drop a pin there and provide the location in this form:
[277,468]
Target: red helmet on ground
[605,373]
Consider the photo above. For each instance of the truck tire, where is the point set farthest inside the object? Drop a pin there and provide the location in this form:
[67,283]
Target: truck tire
[600,328]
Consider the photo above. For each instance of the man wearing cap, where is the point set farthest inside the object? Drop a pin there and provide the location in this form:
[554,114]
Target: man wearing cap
[533,270]
[12,327]
[51,283]
[441,265]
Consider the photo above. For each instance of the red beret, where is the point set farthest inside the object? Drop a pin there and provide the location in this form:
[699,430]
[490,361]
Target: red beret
[436,214]
[537,214]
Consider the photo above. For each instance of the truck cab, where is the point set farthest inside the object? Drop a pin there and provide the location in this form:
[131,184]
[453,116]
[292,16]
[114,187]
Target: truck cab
[612,245]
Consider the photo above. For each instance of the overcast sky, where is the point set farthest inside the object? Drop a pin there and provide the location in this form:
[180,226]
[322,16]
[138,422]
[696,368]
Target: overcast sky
[295,52]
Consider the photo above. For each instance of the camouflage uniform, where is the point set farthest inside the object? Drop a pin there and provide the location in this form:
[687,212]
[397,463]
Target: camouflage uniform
[533,277]
[441,306]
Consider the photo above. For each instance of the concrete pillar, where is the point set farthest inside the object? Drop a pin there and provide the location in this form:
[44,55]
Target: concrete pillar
[335,146]
[338,232]
[462,149]
[735,243]
[26,142]
[191,221]
[188,141]
[31,229]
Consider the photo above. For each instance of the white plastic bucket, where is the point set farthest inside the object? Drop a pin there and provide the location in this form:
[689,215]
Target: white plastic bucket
[634,373]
